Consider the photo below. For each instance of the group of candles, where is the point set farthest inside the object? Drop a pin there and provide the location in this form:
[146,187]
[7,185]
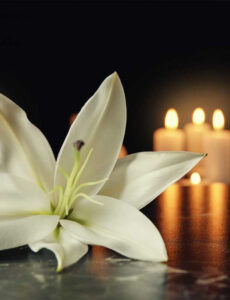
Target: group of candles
[198,136]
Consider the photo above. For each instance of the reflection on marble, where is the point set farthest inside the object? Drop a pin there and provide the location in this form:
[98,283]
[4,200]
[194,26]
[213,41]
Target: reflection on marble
[194,222]
[25,275]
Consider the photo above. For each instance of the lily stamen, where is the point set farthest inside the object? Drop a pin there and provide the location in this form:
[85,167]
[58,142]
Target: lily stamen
[88,184]
[63,198]
[57,187]
[82,167]
[60,197]
[70,194]
[85,196]
[64,173]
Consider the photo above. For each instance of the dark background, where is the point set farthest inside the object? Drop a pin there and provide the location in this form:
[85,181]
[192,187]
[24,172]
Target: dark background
[54,55]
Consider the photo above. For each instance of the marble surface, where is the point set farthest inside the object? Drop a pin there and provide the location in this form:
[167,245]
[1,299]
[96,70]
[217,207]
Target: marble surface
[194,222]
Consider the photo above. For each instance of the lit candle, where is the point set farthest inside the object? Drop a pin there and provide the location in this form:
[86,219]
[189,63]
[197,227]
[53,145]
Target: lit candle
[194,133]
[169,138]
[217,145]
[195,178]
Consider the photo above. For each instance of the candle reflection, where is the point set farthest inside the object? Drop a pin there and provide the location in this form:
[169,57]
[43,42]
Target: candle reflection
[197,212]
[170,210]
[194,223]
[170,223]
[218,205]
[196,199]
[98,266]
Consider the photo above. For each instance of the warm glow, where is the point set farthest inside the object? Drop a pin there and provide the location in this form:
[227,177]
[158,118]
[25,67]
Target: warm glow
[218,119]
[171,119]
[72,118]
[170,209]
[198,116]
[195,178]
[218,224]
[123,152]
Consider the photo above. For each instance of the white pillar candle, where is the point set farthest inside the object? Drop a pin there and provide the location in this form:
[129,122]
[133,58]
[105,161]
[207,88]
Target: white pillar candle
[194,135]
[217,145]
[169,138]
[195,131]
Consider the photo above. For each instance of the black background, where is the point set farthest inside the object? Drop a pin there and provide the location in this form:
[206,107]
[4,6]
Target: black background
[54,55]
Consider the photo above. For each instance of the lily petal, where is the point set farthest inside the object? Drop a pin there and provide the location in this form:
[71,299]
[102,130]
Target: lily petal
[67,249]
[101,125]
[19,231]
[118,226]
[139,178]
[20,197]
[24,151]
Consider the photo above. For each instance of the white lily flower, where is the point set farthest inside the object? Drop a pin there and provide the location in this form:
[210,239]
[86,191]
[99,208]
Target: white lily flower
[65,205]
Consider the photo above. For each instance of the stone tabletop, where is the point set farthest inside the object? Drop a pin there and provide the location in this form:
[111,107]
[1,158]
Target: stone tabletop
[194,222]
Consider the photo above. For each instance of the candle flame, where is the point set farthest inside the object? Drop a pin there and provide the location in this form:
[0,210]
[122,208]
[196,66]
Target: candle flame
[171,119]
[218,121]
[195,178]
[198,116]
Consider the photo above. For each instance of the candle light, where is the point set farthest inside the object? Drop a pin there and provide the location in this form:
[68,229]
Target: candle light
[123,152]
[217,145]
[194,133]
[195,202]
[170,209]
[195,178]
[169,138]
